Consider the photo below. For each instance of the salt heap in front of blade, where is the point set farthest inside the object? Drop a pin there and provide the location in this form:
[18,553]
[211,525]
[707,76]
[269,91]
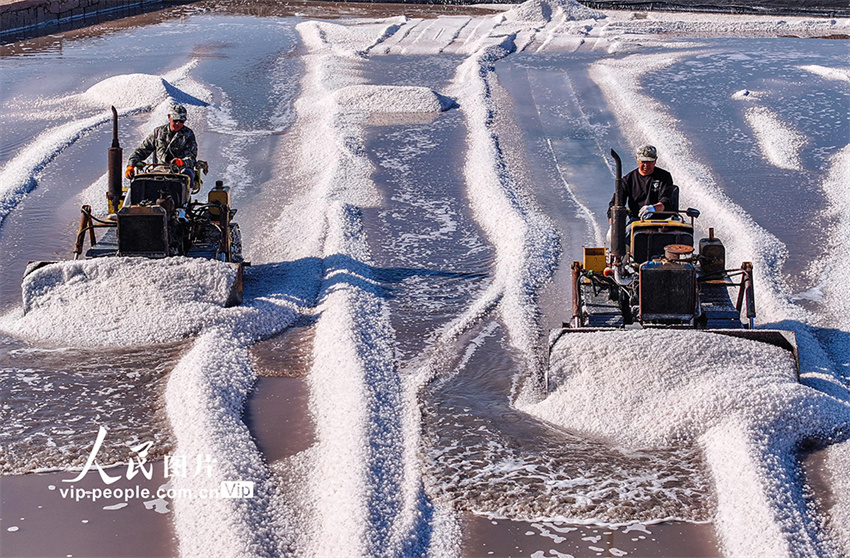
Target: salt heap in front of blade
[648,388]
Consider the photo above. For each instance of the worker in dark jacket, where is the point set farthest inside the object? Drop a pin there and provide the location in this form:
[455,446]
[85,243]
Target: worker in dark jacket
[647,189]
[170,143]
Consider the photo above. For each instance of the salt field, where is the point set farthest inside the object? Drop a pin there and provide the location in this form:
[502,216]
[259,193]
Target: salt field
[412,186]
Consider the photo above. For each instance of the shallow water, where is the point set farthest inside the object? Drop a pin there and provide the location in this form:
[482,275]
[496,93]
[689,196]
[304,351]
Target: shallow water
[39,518]
[483,455]
[56,399]
[497,537]
[489,458]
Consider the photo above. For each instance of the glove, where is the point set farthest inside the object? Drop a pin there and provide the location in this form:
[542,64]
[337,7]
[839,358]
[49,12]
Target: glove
[178,162]
[646,211]
[130,172]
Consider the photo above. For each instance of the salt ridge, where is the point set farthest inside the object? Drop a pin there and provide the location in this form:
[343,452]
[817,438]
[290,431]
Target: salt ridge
[779,142]
[362,460]
[526,243]
[204,399]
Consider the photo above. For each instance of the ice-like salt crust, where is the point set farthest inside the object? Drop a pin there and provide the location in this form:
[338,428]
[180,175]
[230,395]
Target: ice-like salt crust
[738,399]
[779,143]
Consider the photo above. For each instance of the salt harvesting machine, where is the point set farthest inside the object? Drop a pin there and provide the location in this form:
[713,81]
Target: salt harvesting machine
[653,277]
[156,217]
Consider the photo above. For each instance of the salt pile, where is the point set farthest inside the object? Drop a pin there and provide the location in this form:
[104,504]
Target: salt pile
[547,10]
[390,98]
[738,400]
[128,90]
[132,300]
[652,388]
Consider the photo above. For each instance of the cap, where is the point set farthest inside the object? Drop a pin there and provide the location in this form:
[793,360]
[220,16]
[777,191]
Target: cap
[646,153]
[178,112]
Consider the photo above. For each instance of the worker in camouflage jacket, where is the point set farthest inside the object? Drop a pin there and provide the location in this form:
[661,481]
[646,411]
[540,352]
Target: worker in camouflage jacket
[170,143]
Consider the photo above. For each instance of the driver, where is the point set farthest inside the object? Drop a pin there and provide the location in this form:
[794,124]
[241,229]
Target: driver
[170,143]
[648,189]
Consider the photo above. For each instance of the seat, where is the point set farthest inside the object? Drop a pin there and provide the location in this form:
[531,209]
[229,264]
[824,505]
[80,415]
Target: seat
[674,198]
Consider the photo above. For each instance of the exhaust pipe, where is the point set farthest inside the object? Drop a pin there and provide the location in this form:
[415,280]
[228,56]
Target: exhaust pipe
[619,215]
[114,175]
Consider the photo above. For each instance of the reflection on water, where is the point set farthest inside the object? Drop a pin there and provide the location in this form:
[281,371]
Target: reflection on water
[286,355]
